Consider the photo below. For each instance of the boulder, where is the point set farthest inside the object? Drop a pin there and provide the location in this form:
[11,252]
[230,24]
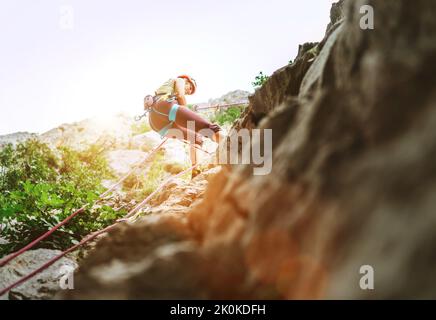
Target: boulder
[121,161]
[44,285]
[146,141]
[114,131]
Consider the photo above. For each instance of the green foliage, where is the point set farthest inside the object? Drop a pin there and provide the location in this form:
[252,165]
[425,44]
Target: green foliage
[153,177]
[314,51]
[40,187]
[229,115]
[140,127]
[142,186]
[260,79]
[32,161]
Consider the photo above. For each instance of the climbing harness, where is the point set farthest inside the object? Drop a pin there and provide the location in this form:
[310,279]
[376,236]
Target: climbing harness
[149,106]
[149,101]
[171,118]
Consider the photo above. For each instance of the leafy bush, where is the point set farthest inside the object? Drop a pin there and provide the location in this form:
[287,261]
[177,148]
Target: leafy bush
[229,115]
[260,79]
[31,161]
[143,185]
[40,187]
[140,127]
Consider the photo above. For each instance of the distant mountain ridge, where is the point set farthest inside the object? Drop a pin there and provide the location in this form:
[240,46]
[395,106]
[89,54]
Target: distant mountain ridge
[16,137]
[231,97]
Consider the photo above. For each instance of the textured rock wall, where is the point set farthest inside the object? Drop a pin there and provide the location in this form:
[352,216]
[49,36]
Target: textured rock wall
[43,285]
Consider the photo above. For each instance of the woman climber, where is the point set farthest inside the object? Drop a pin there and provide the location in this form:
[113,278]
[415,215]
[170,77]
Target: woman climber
[168,111]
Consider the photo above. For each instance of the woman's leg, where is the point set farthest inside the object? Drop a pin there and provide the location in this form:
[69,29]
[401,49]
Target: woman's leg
[185,115]
[183,118]
[193,147]
[158,117]
[198,123]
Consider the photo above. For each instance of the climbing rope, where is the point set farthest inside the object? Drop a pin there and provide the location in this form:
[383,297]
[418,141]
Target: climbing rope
[94,234]
[75,213]
[53,260]
[131,214]
[140,205]
[196,147]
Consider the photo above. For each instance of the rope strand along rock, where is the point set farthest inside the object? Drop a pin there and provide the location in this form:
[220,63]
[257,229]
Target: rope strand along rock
[75,213]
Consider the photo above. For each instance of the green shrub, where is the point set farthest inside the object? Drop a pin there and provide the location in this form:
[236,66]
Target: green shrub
[32,161]
[142,186]
[40,187]
[140,127]
[229,115]
[260,79]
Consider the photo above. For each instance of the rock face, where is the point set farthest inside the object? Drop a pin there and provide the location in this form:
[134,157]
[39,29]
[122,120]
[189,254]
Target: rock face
[41,286]
[121,161]
[284,83]
[114,130]
[148,246]
[353,183]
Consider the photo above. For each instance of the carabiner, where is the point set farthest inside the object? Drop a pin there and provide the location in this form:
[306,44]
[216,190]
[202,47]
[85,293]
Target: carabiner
[138,118]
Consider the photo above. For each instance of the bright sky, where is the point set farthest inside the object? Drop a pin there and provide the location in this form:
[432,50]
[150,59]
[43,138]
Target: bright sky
[67,60]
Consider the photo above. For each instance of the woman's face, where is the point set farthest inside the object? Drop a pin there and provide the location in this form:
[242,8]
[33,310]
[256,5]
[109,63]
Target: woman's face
[188,87]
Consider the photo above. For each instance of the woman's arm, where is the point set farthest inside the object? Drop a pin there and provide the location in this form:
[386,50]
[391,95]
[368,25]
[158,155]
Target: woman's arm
[179,89]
